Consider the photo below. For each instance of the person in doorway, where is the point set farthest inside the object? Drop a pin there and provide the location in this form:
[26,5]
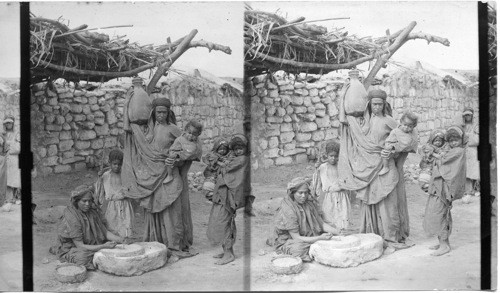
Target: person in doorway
[447,185]
[110,197]
[231,193]
[298,223]
[82,231]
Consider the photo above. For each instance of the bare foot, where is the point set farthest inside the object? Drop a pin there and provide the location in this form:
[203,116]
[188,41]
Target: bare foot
[227,258]
[218,255]
[434,247]
[442,250]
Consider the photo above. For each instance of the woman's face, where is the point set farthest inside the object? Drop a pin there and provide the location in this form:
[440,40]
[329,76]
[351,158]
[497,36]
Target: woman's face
[240,150]
[438,142]
[85,202]
[468,118]
[161,113]
[8,125]
[455,142]
[301,195]
[377,106]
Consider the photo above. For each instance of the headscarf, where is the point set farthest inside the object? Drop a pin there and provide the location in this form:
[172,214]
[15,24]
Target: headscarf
[80,191]
[377,94]
[238,139]
[436,133]
[468,111]
[218,142]
[295,184]
[161,102]
[456,131]
[8,118]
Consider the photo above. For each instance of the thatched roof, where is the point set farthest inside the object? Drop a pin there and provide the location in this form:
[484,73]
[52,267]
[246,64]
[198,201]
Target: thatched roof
[272,43]
[78,54]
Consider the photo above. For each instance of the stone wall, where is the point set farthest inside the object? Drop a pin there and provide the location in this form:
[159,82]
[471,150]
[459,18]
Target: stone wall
[290,118]
[72,128]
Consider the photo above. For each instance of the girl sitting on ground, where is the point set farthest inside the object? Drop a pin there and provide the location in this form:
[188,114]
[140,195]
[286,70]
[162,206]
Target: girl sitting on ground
[231,192]
[118,210]
[334,202]
[402,139]
[186,147]
[214,160]
[430,152]
[446,185]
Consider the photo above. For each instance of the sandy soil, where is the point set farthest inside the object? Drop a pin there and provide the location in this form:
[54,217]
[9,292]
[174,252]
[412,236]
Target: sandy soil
[409,269]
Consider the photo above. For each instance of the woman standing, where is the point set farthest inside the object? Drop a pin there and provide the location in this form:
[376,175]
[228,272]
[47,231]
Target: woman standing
[13,140]
[167,207]
[298,223]
[81,231]
[383,197]
[472,131]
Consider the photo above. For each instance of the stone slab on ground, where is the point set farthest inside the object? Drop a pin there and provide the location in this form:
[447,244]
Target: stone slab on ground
[154,257]
[347,251]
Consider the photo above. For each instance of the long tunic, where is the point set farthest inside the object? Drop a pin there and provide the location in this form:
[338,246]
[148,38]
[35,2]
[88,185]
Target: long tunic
[14,173]
[384,210]
[472,131]
[76,225]
[334,202]
[304,219]
[118,211]
[3,170]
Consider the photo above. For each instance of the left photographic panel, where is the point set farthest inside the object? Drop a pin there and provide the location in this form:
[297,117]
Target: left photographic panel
[127,101]
[10,178]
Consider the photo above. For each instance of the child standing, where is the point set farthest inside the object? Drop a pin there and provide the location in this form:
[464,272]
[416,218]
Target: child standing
[430,152]
[231,192]
[447,184]
[186,147]
[334,202]
[402,139]
[214,159]
[119,213]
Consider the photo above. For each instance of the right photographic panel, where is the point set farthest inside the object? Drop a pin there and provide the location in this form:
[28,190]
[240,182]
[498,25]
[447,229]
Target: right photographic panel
[365,128]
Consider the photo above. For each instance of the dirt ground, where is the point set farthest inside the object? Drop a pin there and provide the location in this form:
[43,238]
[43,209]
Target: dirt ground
[409,269]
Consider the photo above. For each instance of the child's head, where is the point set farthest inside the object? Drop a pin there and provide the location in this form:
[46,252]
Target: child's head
[193,128]
[239,144]
[116,160]
[455,136]
[408,122]
[437,138]
[221,146]
[332,149]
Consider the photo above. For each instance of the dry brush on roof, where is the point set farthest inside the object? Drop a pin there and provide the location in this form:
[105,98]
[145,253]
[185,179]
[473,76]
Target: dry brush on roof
[272,43]
[77,54]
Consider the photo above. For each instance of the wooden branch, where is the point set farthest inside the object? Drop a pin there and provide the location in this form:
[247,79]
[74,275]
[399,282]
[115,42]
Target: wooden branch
[398,42]
[429,38]
[210,46]
[183,46]
[91,29]
[308,65]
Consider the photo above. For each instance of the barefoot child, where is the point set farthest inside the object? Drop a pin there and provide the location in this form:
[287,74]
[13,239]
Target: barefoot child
[231,192]
[447,184]
[214,159]
[402,139]
[335,204]
[119,213]
[185,146]
[430,152]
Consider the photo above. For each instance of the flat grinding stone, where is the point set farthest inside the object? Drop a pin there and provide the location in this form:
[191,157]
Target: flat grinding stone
[70,273]
[286,265]
[347,251]
[154,256]
[123,250]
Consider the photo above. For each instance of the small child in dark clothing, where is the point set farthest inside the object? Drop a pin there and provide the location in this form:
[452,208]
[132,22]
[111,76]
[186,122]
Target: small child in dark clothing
[430,152]
[214,159]
[186,147]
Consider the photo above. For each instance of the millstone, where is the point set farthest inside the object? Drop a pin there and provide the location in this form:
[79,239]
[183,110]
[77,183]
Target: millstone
[70,273]
[153,256]
[286,265]
[347,251]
